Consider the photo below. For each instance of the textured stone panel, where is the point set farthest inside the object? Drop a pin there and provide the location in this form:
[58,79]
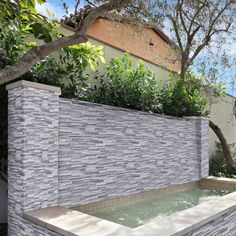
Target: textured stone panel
[221,226]
[32,229]
[67,153]
[33,153]
[204,148]
[106,152]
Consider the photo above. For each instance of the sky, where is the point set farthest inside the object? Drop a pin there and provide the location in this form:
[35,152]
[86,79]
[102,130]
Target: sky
[56,8]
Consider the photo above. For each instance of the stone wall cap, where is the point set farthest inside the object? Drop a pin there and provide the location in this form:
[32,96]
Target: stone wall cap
[24,83]
[196,118]
[116,108]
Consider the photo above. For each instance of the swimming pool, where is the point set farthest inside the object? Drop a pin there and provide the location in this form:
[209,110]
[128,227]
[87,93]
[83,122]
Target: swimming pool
[137,213]
[206,207]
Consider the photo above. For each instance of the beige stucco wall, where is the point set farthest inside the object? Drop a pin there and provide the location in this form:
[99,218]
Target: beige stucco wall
[221,113]
[144,42]
[111,52]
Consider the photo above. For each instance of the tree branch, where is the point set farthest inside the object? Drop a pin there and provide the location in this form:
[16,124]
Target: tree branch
[180,6]
[195,15]
[36,54]
[177,33]
[211,31]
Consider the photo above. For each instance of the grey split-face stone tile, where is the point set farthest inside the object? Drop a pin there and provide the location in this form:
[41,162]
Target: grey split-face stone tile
[125,151]
[63,152]
[33,156]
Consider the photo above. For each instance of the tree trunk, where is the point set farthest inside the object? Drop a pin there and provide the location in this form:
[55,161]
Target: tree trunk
[226,149]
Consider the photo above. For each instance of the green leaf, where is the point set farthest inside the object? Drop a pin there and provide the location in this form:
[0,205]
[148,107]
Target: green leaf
[102,59]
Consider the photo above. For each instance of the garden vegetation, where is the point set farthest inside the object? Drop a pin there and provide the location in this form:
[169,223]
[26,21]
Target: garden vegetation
[122,83]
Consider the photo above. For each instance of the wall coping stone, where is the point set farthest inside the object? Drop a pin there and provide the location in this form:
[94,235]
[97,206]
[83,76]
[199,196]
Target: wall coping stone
[115,108]
[196,118]
[24,83]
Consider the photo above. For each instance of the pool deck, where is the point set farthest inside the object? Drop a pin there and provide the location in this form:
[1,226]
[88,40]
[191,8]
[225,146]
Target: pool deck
[69,222]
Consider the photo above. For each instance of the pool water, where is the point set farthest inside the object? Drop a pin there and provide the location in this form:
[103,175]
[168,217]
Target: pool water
[140,212]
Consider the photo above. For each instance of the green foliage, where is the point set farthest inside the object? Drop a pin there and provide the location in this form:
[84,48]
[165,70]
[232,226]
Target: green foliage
[68,69]
[11,48]
[125,86]
[183,97]
[138,88]
[218,165]
[121,84]
[22,15]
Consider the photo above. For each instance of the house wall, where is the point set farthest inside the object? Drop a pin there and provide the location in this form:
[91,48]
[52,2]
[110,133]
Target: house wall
[111,52]
[221,113]
[66,153]
[144,43]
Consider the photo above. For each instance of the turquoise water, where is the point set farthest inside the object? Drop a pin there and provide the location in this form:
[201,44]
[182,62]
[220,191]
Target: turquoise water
[141,212]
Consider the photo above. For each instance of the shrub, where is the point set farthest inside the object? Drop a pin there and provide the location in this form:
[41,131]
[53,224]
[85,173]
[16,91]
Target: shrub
[184,97]
[123,85]
[218,165]
[68,70]
[138,88]
[12,45]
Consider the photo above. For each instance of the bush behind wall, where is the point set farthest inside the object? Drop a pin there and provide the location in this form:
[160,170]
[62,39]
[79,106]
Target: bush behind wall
[218,166]
[121,84]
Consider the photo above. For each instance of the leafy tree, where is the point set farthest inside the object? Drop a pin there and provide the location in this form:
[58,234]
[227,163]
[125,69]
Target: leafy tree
[184,98]
[66,71]
[22,14]
[197,25]
[69,70]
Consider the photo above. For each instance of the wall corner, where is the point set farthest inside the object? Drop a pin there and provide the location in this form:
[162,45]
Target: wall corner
[33,129]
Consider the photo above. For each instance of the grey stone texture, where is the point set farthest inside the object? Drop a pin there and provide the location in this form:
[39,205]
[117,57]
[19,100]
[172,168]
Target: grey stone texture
[105,151]
[222,226]
[63,152]
[33,154]
[31,229]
